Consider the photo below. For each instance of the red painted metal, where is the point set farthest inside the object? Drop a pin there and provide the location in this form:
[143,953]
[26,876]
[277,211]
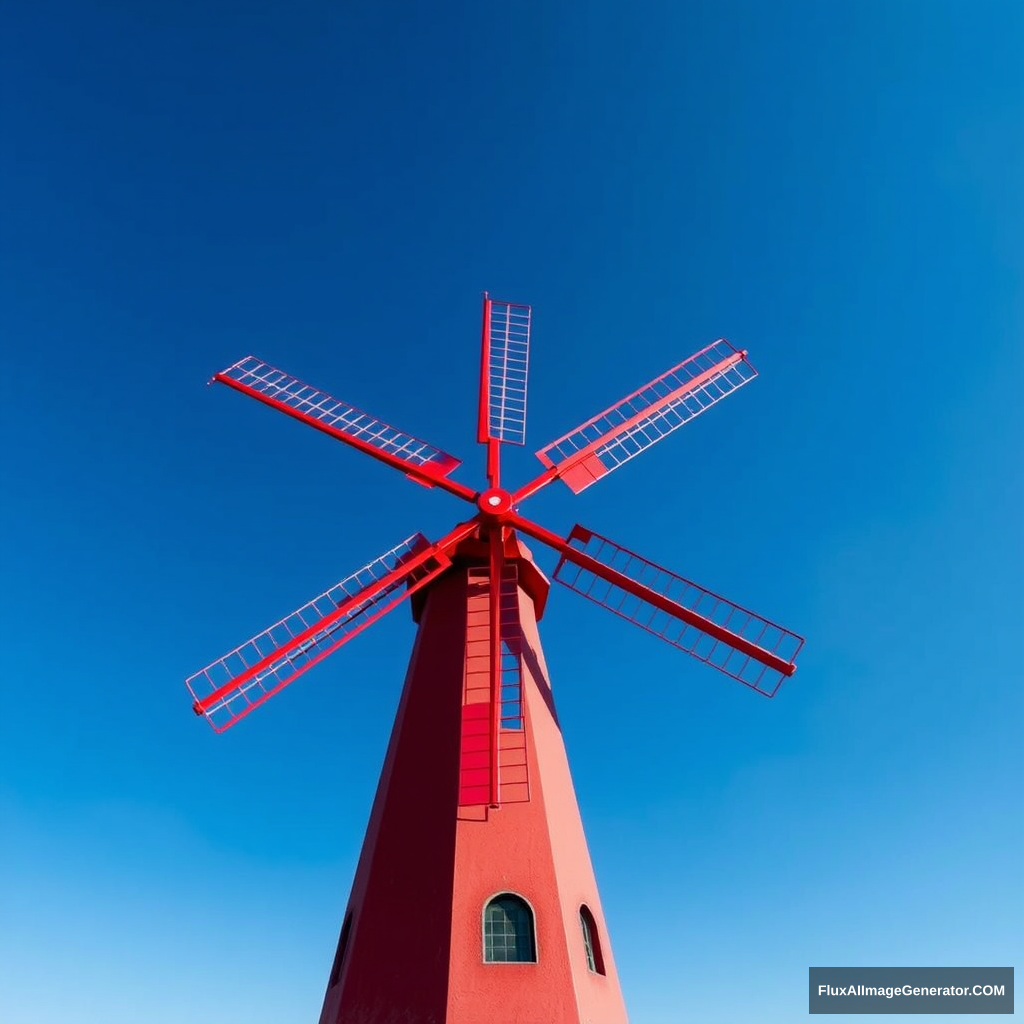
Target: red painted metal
[643,418]
[720,634]
[483,432]
[497,562]
[231,687]
[476,760]
[504,366]
[536,484]
[747,647]
[504,371]
[422,462]
[494,503]
[493,462]
[457,818]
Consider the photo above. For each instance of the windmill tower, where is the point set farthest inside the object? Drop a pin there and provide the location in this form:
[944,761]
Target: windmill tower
[474,900]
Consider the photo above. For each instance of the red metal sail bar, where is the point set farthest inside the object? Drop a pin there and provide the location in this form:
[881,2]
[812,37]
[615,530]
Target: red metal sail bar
[504,368]
[421,461]
[743,645]
[496,550]
[641,419]
[232,686]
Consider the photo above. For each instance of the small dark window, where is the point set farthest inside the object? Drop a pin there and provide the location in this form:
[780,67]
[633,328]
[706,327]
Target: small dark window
[339,957]
[591,941]
[508,931]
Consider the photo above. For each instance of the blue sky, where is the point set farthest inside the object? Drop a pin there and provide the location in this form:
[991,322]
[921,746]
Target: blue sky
[833,186]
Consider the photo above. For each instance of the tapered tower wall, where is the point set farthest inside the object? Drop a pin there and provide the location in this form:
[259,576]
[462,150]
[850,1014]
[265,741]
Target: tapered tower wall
[411,950]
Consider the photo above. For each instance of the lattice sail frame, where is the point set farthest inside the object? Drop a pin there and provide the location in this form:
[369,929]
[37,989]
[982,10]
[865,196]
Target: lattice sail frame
[233,685]
[229,688]
[648,415]
[274,387]
[506,365]
[764,634]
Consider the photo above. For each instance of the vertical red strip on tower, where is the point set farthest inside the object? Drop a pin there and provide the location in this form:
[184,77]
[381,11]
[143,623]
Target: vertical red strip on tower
[476,758]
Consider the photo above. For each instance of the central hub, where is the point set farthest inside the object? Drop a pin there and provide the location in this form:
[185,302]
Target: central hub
[494,502]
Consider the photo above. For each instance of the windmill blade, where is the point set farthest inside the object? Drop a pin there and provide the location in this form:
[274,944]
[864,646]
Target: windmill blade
[504,367]
[743,645]
[749,648]
[232,686]
[414,457]
[641,419]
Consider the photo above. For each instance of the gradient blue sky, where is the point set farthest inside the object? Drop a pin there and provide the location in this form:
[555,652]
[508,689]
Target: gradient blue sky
[834,186]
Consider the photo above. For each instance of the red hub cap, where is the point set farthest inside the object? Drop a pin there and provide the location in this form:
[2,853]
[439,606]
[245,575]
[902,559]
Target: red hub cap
[494,502]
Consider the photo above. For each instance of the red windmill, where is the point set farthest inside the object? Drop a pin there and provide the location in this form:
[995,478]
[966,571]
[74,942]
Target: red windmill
[474,899]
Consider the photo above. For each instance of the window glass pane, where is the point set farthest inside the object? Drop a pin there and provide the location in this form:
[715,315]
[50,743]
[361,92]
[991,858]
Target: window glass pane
[591,941]
[588,942]
[508,931]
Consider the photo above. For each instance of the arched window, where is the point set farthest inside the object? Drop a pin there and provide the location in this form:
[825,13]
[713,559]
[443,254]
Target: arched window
[591,940]
[508,931]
